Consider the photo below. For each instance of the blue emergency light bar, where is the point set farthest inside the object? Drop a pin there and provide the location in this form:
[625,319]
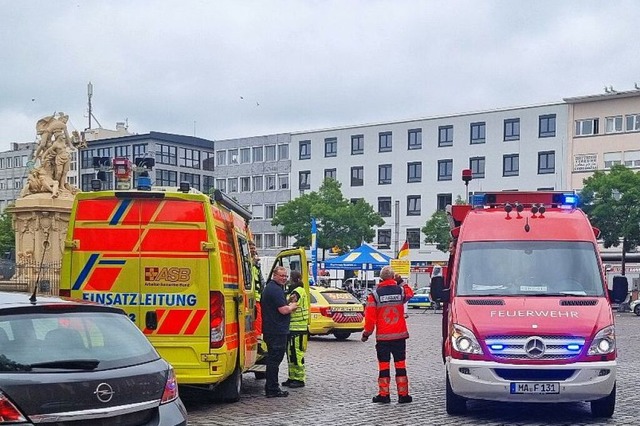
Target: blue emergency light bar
[558,199]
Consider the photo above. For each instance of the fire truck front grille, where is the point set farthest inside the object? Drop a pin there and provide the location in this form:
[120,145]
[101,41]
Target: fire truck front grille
[590,302]
[535,347]
[485,302]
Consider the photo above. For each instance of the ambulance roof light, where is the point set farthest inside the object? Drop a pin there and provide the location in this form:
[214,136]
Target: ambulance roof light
[96,184]
[184,187]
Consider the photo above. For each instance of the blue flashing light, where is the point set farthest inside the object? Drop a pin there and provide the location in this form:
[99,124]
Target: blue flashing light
[144,183]
[477,199]
[570,200]
[497,347]
[573,347]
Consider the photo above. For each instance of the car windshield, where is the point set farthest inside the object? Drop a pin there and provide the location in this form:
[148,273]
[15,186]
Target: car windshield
[529,268]
[71,340]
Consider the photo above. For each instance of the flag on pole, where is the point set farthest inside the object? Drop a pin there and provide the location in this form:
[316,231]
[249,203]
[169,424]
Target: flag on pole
[404,250]
[314,250]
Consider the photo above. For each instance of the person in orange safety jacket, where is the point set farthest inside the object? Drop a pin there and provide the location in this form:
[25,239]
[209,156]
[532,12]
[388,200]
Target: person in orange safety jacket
[384,312]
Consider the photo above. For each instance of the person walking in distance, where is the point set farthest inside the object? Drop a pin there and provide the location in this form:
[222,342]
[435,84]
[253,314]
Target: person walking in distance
[384,313]
[256,277]
[297,341]
[276,315]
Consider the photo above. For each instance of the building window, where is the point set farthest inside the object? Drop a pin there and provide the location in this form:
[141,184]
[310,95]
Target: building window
[283,181]
[330,174]
[384,206]
[193,179]
[613,124]
[208,184]
[633,122]
[304,179]
[547,126]
[270,153]
[330,147]
[413,238]
[413,205]
[510,165]
[221,158]
[478,133]
[612,159]
[414,139]
[233,156]
[283,241]
[166,177]
[123,151]
[257,239]
[232,185]
[245,155]
[167,155]
[357,144]
[385,142]
[632,158]
[191,158]
[512,129]
[269,240]
[445,136]
[546,162]
[587,127]
[258,183]
[304,150]
[258,153]
[257,211]
[357,176]
[283,151]
[221,184]
[245,184]
[139,150]
[271,182]
[414,171]
[384,174]
[269,211]
[445,169]
[476,164]
[443,201]
[208,161]
[384,238]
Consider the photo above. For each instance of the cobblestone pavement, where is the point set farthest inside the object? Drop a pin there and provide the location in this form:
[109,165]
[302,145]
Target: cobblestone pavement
[342,378]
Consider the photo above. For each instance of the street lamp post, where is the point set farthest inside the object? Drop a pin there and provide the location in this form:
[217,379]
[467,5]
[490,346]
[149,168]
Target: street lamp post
[617,196]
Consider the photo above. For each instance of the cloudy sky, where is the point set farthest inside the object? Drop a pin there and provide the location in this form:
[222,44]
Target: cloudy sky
[227,69]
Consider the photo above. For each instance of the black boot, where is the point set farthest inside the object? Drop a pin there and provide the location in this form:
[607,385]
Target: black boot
[383,399]
[403,399]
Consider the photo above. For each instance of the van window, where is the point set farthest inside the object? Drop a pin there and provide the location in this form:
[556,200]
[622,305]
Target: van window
[518,268]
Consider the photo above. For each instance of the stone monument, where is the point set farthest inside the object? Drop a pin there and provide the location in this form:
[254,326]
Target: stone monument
[41,213]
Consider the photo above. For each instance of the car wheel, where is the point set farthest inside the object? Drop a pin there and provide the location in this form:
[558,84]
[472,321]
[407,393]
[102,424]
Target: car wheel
[604,407]
[455,404]
[229,390]
[342,336]
[636,310]
[260,375]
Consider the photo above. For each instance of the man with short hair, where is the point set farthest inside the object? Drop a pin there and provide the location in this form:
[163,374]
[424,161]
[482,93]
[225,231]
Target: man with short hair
[384,312]
[276,314]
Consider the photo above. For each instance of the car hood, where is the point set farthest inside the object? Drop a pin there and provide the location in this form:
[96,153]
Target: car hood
[532,315]
[63,391]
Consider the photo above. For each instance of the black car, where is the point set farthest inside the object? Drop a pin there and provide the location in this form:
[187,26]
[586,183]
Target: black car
[71,362]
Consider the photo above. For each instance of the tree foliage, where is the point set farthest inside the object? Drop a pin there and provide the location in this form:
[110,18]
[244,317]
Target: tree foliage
[617,219]
[7,235]
[340,222]
[437,230]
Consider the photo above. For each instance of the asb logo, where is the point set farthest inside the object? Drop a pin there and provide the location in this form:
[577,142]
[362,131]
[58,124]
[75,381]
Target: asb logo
[154,273]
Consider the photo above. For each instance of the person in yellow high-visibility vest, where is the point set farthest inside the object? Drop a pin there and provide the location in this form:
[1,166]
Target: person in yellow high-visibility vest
[298,332]
[256,277]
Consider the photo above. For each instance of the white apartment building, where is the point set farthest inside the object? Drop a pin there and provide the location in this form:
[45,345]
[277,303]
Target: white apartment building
[409,169]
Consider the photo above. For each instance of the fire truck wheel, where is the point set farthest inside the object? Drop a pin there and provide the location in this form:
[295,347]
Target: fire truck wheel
[604,407]
[229,390]
[260,375]
[636,310]
[455,403]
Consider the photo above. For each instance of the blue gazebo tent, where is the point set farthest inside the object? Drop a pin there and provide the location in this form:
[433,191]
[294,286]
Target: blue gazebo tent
[363,258]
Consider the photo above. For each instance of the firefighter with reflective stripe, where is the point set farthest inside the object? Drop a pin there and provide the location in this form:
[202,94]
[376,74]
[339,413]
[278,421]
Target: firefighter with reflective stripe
[298,332]
[385,313]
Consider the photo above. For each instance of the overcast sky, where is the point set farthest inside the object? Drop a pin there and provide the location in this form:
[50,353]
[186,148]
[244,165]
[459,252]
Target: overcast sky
[227,69]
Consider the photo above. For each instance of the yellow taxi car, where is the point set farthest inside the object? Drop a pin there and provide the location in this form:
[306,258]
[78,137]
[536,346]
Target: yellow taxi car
[335,311]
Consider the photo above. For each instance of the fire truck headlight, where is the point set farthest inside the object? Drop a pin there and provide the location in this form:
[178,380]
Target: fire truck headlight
[463,340]
[604,342]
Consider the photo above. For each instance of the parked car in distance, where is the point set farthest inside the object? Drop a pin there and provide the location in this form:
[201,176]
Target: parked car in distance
[635,307]
[420,299]
[335,311]
[71,362]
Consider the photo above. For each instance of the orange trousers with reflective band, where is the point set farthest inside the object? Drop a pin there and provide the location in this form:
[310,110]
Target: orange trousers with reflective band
[384,350]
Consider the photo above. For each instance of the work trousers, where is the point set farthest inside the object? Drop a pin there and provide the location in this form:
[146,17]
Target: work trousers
[296,347]
[384,350]
[276,346]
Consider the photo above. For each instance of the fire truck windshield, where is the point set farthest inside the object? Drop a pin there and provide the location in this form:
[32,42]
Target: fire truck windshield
[519,268]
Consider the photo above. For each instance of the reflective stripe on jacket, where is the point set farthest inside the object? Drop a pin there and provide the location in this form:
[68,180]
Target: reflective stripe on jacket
[300,317]
[385,311]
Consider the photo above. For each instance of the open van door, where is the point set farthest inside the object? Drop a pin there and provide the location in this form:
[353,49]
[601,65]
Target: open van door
[293,260]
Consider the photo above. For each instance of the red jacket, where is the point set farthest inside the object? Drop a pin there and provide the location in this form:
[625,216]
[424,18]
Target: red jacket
[385,311]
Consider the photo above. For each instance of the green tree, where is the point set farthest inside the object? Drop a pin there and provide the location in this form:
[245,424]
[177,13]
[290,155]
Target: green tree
[7,235]
[340,222]
[612,202]
[437,230]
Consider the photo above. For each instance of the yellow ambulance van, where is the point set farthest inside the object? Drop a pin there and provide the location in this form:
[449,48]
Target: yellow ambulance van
[178,262]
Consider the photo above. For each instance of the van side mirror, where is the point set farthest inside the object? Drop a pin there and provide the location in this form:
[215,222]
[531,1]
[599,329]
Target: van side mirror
[151,320]
[437,288]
